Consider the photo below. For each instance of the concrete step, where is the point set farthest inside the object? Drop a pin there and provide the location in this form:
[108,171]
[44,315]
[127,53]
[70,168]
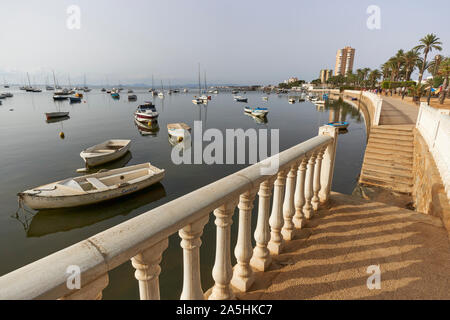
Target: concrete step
[390,163]
[387,170]
[388,146]
[387,177]
[399,187]
[391,141]
[375,130]
[388,152]
[382,135]
[401,127]
[407,160]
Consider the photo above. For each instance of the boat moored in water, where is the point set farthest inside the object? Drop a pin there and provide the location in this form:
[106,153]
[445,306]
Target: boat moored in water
[339,124]
[53,115]
[146,112]
[94,188]
[105,152]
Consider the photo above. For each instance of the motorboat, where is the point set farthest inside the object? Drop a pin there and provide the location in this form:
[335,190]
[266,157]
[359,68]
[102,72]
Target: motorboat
[146,112]
[260,112]
[240,99]
[132,97]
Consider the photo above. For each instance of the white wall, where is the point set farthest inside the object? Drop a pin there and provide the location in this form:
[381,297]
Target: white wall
[434,126]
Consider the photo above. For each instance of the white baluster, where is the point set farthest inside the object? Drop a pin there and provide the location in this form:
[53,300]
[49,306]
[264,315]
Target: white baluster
[222,270]
[307,209]
[191,242]
[288,205]
[243,276]
[276,220]
[328,163]
[147,268]
[261,259]
[299,218]
[316,187]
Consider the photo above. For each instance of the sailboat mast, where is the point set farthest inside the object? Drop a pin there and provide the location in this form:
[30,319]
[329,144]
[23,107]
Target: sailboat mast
[28,77]
[152,83]
[199,81]
[206,88]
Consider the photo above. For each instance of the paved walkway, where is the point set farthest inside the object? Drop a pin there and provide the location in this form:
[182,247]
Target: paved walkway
[329,258]
[395,111]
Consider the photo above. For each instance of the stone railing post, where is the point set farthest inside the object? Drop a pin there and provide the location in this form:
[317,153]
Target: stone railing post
[222,270]
[243,276]
[308,209]
[299,199]
[288,204]
[147,268]
[191,242]
[316,186]
[276,217]
[261,259]
[327,171]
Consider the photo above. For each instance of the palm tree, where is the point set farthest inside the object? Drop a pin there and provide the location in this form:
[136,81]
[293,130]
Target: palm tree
[433,68]
[374,76]
[444,71]
[386,70]
[427,44]
[410,62]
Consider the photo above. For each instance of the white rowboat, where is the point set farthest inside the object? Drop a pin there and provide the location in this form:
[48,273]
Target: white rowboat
[105,152]
[93,188]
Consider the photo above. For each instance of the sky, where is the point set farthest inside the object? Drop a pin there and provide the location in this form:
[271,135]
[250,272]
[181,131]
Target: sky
[235,41]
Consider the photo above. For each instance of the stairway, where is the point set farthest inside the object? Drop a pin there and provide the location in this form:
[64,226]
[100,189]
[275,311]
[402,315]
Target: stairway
[388,161]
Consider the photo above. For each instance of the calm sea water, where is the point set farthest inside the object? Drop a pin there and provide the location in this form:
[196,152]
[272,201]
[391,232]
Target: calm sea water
[33,153]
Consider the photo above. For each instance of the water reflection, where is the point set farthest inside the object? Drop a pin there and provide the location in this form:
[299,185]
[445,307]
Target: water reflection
[46,222]
[150,128]
[258,120]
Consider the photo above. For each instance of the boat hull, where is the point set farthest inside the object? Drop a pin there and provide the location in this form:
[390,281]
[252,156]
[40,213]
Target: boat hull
[53,115]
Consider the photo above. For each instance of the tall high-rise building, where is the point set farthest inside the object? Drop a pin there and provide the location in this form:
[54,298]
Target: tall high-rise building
[344,61]
[325,74]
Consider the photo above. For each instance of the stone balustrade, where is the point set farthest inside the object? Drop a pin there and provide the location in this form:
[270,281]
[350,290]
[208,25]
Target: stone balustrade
[301,184]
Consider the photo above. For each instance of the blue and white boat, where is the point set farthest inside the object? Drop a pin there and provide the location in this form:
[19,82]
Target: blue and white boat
[339,124]
[260,112]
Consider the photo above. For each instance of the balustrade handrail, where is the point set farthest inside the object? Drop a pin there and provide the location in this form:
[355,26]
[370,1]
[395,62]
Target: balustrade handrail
[47,277]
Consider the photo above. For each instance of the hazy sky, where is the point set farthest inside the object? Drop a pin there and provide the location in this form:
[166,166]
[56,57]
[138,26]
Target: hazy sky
[236,41]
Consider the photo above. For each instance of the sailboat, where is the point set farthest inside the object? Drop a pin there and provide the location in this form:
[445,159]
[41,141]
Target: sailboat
[59,113]
[199,100]
[161,94]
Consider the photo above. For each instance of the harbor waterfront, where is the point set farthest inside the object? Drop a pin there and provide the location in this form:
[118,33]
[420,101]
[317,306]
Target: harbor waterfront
[35,154]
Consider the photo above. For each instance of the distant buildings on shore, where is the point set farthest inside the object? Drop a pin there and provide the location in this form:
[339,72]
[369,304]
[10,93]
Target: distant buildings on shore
[325,74]
[344,61]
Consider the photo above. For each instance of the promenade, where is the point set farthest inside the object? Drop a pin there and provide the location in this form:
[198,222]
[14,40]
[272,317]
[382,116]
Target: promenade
[328,259]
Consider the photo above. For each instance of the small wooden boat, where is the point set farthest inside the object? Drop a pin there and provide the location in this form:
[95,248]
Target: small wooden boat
[178,131]
[260,112]
[197,101]
[146,112]
[340,124]
[93,188]
[53,115]
[291,101]
[115,95]
[105,152]
[132,97]
[130,91]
